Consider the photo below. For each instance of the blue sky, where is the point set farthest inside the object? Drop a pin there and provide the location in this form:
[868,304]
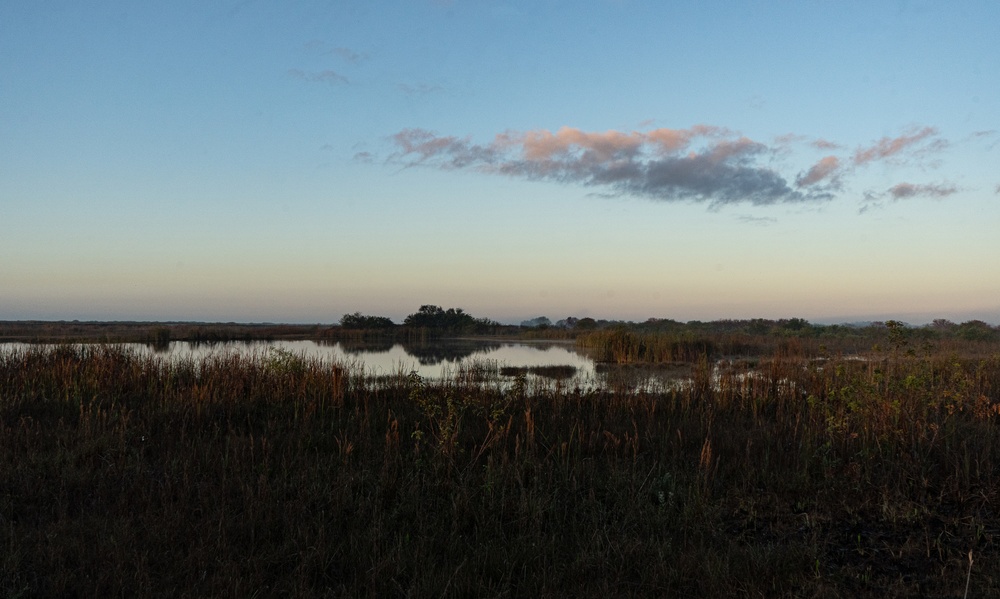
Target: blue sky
[295,161]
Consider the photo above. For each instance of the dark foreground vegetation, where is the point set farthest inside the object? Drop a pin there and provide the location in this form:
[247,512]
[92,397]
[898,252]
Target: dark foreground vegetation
[270,475]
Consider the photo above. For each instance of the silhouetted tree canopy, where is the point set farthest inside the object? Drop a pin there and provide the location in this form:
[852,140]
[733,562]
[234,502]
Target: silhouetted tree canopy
[977,330]
[360,321]
[539,322]
[452,320]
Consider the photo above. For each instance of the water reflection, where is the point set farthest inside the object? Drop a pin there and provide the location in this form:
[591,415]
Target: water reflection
[427,353]
[542,362]
[359,347]
[431,354]
[558,373]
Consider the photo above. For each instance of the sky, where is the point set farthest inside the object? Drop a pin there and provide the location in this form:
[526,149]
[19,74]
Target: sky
[294,161]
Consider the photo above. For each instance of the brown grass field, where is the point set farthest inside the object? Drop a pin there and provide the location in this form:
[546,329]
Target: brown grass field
[782,474]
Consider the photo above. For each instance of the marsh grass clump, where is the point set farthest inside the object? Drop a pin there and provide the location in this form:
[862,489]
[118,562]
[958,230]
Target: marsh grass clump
[124,474]
[621,346]
[557,372]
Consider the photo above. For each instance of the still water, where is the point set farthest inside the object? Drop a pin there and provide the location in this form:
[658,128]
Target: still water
[551,362]
[429,360]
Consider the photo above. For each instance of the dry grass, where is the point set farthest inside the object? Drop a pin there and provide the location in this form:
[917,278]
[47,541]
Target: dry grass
[271,475]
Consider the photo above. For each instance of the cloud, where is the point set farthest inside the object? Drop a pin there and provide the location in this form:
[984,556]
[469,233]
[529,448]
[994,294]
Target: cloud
[988,138]
[418,89]
[701,164]
[760,221]
[793,138]
[909,190]
[827,168]
[997,190]
[594,147]
[889,147]
[325,76]
[903,191]
[825,144]
[349,55]
[446,152]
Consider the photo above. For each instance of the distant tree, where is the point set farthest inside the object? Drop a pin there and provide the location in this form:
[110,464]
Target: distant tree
[540,322]
[567,323]
[452,320]
[427,316]
[660,325]
[795,324]
[897,333]
[360,321]
[977,330]
[944,325]
[486,326]
[759,326]
[586,324]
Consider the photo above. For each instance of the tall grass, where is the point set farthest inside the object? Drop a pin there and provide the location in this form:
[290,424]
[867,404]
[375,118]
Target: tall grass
[624,345]
[125,475]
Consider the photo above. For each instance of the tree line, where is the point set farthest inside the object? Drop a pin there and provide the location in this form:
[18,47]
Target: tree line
[455,321]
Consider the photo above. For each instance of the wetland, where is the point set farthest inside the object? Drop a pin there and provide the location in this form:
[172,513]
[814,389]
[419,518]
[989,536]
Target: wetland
[817,462]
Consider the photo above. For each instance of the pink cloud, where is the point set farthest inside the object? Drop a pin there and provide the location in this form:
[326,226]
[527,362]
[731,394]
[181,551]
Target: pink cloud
[721,170]
[702,163]
[891,146]
[545,145]
[737,148]
[826,168]
[672,140]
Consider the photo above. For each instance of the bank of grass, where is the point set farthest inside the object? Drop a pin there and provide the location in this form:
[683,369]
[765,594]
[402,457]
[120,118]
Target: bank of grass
[154,333]
[555,372]
[271,475]
[645,344]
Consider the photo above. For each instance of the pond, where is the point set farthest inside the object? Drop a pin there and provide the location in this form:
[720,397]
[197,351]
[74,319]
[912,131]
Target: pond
[542,362]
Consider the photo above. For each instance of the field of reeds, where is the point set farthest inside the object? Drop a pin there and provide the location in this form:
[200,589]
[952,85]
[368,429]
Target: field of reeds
[270,475]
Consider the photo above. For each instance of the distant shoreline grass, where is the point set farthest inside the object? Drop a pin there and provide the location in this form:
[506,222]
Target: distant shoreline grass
[151,332]
[125,475]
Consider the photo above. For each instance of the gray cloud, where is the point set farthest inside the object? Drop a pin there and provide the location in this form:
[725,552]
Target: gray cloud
[320,47]
[908,190]
[825,144]
[760,221]
[700,164]
[325,76]
[349,55]
[418,89]
[903,191]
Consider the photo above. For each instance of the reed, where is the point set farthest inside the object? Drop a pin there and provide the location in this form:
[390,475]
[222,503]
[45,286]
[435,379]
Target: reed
[272,474]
